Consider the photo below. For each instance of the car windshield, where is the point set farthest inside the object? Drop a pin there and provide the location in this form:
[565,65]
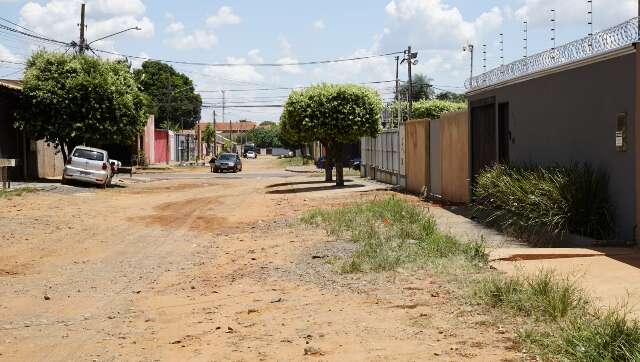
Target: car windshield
[88,154]
[227,157]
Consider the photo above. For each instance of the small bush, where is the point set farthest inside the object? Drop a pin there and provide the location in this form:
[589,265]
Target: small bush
[555,199]
[392,233]
[542,295]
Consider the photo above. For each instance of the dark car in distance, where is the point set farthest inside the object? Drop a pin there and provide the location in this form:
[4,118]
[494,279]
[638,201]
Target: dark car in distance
[228,162]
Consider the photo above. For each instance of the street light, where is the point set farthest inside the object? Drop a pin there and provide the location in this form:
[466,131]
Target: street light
[137,28]
[469,48]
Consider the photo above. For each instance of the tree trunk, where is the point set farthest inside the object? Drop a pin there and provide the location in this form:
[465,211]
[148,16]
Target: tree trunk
[63,149]
[328,167]
[339,164]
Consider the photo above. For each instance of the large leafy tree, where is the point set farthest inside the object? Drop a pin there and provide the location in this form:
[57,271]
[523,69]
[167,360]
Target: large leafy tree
[74,100]
[173,99]
[335,115]
[421,88]
[265,137]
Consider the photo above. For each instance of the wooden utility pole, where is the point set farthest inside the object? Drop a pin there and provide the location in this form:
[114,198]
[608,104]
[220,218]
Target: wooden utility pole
[83,41]
[215,136]
[411,59]
[398,79]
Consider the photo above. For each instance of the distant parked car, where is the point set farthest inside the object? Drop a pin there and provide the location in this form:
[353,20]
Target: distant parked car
[228,162]
[90,165]
[251,154]
[355,163]
[115,166]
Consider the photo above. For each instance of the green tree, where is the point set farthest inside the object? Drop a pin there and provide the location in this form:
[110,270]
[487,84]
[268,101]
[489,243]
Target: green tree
[72,100]
[209,137]
[265,137]
[173,99]
[421,88]
[451,97]
[335,115]
[267,124]
[429,109]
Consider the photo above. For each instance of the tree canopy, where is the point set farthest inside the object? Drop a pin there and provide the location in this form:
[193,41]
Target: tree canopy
[451,97]
[334,115]
[209,136]
[265,137]
[71,100]
[267,123]
[173,99]
[421,89]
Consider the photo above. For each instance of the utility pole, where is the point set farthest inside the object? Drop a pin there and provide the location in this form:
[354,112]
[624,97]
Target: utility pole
[526,39]
[469,48]
[484,58]
[83,41]
[215,136]
[411,59]
[398,79]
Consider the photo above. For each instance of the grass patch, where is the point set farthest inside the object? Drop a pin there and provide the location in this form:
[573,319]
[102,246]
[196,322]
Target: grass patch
[393,233]
[568,326]
[294,161]
[554,200]
[16,192]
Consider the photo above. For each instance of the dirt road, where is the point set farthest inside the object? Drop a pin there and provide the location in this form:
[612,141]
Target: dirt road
[196,266]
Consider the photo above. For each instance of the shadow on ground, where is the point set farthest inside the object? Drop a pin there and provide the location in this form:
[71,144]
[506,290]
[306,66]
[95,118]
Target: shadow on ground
[303,183]
[313,189]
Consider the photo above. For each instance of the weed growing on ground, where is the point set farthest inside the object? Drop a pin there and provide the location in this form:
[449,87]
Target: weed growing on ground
[16,192]
[568,324]
[393,233]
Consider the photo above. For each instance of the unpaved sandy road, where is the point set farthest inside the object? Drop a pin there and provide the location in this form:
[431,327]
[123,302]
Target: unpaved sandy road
[194,266]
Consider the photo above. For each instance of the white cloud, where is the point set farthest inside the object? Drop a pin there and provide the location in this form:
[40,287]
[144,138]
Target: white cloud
[255,57]
[230,77]
[174,25]
[6,54]
[224,16]
[198,39]
[318,24]
[117,7]
[606,12]
[436,24]
[59,18]
[291,69]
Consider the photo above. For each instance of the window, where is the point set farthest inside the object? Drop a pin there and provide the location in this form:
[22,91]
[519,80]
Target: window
[88,154]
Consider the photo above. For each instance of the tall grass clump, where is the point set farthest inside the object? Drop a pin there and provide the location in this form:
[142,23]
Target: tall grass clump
[568,325]
[557,200]
[391,233]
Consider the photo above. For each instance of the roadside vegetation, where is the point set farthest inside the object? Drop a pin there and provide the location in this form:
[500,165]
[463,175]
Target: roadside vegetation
[561,322]
[566,324]
[15,192]
[392,233]
[553,200]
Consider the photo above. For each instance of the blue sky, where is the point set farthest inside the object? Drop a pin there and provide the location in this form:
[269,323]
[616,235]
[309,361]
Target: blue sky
[244,31]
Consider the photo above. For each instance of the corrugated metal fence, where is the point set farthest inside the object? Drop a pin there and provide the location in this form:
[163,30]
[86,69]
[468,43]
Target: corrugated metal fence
[383,156]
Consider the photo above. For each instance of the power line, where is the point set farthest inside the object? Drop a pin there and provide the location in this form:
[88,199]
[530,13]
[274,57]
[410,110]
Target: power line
[11,62]
[315,62]
[32,35]
[283,88]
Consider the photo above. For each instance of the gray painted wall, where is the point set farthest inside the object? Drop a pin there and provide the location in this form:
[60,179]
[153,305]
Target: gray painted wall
[570,116]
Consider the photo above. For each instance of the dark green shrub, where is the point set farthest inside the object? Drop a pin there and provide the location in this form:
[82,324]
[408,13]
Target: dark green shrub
[554,199]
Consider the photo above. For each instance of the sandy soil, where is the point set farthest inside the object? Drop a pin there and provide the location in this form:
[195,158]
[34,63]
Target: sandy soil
[211,269]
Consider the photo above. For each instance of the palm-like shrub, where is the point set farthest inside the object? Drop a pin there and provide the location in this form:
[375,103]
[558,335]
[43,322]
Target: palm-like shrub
[553,199]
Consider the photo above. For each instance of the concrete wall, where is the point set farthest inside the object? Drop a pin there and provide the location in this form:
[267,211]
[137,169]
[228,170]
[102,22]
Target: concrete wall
[435,157]
[571,116]
[454,164]
[417,154]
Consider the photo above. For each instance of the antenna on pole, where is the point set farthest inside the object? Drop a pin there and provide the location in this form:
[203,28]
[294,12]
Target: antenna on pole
[526,39]
[501,48]
[484,58]
[590,21]
[553,28]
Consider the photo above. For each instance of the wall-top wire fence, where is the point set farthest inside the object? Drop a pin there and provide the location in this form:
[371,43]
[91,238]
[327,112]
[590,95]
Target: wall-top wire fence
[613,38]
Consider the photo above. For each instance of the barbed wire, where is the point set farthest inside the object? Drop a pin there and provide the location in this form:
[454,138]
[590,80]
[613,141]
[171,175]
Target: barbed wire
[616,37]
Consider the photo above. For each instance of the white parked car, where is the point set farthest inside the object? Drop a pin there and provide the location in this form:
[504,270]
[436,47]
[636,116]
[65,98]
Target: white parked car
[251,154]
[90,165]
